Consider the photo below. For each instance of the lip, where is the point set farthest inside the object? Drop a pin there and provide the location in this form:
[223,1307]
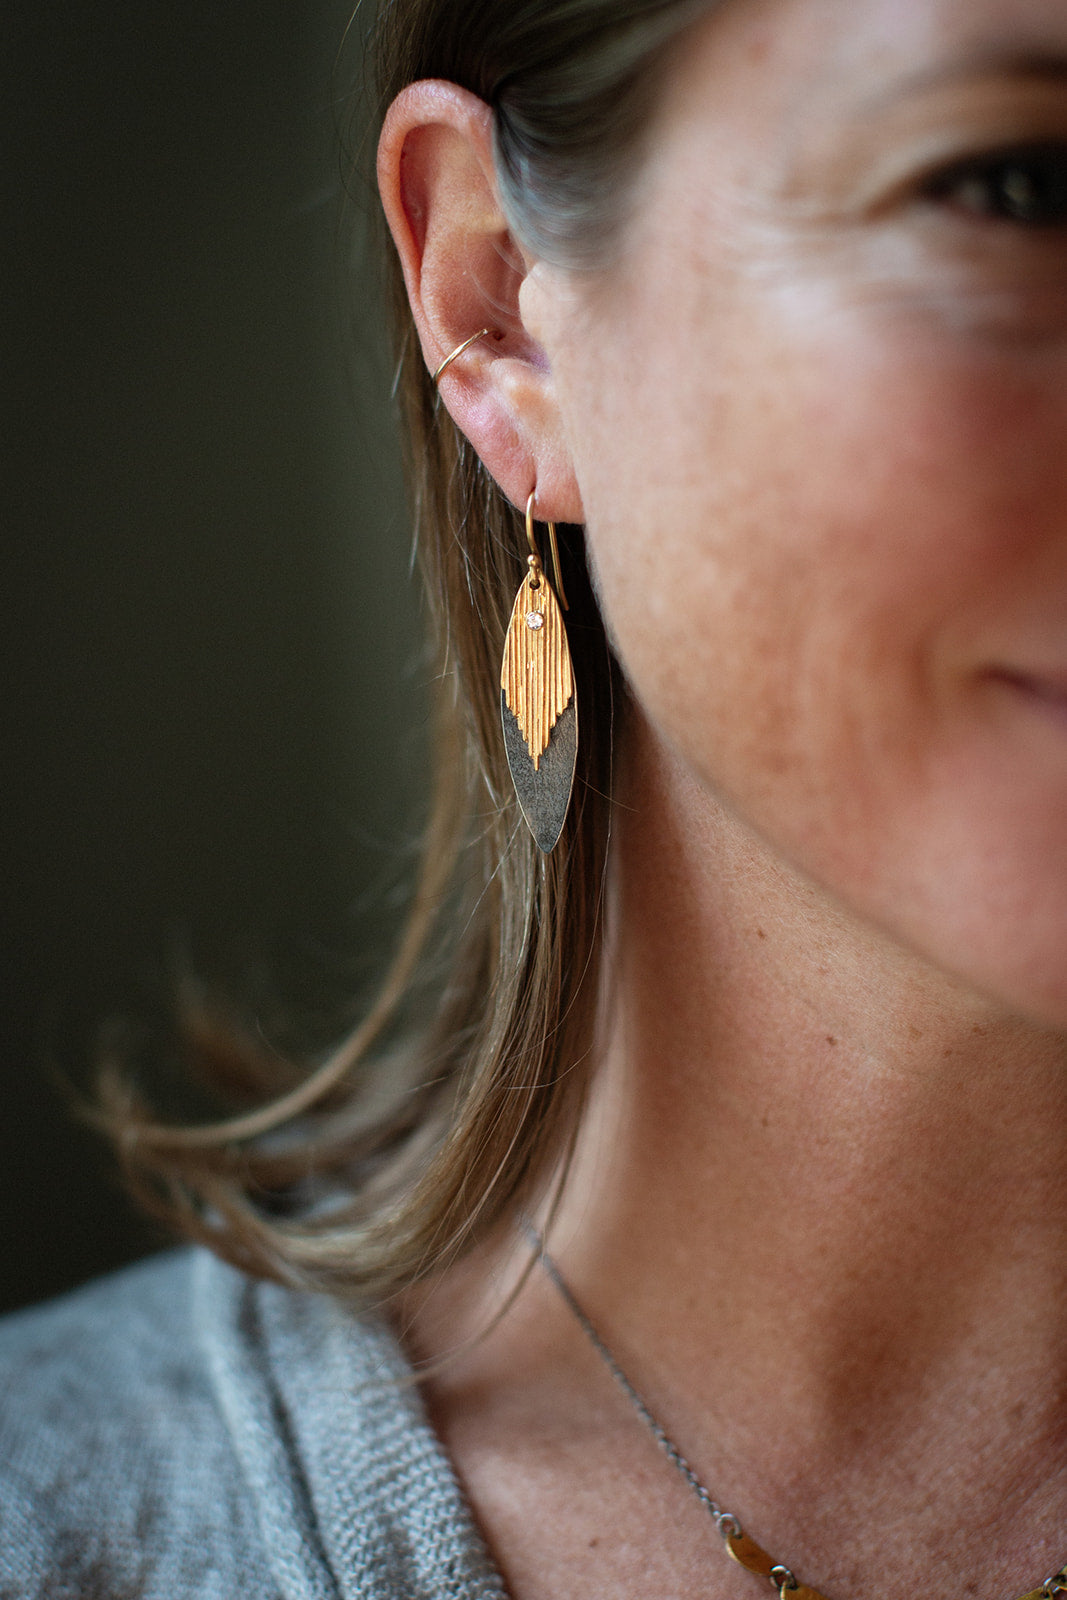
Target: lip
[1047,690]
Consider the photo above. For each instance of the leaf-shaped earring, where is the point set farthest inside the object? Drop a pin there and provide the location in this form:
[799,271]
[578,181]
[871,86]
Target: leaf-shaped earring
[538,707]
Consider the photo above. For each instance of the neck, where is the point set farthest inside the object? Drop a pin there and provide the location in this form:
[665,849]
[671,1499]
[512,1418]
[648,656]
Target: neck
[816,1173]
[818,1207]
[810,1115]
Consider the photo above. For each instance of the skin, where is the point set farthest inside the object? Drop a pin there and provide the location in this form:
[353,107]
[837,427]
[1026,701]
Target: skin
[813,414]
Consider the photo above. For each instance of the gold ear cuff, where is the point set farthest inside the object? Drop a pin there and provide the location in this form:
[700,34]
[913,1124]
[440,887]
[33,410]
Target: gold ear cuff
[458,351]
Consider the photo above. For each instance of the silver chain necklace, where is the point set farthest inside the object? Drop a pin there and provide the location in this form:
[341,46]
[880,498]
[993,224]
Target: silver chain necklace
[745,1551]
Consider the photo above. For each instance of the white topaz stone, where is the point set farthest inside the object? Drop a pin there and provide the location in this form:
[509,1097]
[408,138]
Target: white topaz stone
[534,620]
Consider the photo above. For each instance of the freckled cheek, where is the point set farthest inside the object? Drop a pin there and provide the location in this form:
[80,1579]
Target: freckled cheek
[792,569]
[748,580]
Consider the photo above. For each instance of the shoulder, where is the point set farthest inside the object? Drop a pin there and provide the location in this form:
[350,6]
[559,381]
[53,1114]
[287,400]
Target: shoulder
[109,1431]
[179,1430]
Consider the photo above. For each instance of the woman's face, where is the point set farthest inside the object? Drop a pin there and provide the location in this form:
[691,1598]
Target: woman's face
[818,410]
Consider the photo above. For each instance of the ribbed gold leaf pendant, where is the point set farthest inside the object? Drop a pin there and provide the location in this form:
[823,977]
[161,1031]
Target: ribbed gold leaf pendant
[538,709]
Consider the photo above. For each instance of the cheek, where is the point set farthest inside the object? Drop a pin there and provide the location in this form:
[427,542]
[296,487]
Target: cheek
[776,548]
[807,553]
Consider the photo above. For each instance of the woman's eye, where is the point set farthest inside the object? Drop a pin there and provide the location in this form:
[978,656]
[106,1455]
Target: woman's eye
[1026,185]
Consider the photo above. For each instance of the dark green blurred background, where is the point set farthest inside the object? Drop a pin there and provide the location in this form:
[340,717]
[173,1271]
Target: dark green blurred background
[213,706]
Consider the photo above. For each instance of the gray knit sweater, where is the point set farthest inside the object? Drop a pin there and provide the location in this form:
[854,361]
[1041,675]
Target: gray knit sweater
[179,1431]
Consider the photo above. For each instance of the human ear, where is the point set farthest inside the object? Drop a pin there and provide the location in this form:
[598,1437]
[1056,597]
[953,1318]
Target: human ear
[464,270]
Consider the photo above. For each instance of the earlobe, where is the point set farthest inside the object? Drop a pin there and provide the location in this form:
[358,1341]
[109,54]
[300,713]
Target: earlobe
[464,271]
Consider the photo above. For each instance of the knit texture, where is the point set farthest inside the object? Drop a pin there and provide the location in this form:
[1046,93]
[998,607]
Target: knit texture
[180,1431]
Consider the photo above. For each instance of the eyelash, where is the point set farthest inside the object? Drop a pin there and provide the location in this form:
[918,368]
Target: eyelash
[1026,185]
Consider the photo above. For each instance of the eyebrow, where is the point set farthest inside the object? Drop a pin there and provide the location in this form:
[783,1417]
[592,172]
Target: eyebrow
[1026,64]
[1029,64]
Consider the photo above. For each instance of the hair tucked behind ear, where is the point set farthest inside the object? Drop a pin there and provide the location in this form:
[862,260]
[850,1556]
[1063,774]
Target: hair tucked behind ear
[394,1162]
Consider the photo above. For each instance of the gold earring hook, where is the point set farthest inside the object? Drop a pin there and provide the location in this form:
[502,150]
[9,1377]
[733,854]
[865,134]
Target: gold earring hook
[535,556]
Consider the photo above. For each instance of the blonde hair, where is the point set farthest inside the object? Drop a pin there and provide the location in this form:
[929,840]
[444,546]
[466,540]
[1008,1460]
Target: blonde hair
[383,1165]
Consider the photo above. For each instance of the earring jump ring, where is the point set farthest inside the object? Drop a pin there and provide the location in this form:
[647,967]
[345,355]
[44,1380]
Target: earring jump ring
[458,351]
